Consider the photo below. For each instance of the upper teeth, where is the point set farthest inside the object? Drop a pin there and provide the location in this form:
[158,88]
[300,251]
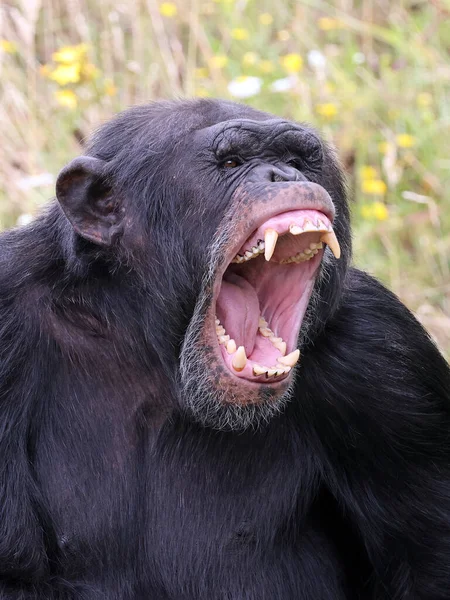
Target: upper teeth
[307,254]
[248,255]
[271,237]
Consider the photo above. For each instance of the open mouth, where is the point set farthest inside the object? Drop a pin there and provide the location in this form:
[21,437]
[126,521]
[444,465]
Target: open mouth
[265,291]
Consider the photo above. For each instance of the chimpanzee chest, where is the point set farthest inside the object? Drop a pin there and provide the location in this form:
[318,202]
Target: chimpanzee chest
[168,514]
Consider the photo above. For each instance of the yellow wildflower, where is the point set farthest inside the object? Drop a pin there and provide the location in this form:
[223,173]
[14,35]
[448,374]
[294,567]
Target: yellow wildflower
[201,73]
[110,89]
[66,98]
[168,9]
[249,59]
[373,187]
[202,93]
[384,147]
[70,54]
[404,140]
[8,47]
[380,211]
[266,19]
[292,63]
[64,74]
[368,172]
[283,35]
[328,24]
[239,33]
[424,99]
[266,66]
[218,61]
[327,110]
[376,210]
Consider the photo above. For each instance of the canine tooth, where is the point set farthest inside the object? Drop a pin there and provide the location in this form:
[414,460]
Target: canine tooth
[265,331]
[295,229]
[331,240]
[283,370]
[270,239]
[239,359]
[274,339]
[281,346]
[290,359]
[257,370]
[223,339]
[231,346]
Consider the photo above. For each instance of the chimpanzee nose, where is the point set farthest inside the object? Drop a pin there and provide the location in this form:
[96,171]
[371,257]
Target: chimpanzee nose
[286,173]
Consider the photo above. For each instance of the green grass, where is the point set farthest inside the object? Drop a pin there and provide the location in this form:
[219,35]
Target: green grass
[379,89]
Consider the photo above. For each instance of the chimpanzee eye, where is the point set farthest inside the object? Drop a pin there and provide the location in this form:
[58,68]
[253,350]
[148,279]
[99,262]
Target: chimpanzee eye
[231,163]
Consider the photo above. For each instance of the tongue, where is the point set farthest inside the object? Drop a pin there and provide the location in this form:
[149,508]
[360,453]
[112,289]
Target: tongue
[238,310]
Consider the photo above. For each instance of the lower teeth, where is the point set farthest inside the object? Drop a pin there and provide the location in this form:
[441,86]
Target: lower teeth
[239,359]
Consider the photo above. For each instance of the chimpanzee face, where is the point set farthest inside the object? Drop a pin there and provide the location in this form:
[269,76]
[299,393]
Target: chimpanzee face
[255,208]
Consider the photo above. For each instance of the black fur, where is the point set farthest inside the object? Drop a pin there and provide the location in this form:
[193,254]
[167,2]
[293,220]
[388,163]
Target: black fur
[109,490]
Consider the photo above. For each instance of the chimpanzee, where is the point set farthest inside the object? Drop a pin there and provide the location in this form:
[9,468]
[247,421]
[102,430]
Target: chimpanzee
[199,397]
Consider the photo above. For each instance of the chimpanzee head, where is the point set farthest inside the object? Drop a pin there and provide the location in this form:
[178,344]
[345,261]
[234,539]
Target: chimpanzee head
[231,227]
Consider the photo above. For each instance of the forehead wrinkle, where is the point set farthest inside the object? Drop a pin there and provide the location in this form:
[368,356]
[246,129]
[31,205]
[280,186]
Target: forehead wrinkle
[234,135]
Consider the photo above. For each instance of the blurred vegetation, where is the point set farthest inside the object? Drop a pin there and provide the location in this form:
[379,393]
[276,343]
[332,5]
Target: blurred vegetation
[373,75]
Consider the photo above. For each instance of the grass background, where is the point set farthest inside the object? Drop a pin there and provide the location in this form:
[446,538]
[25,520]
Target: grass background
[372,75]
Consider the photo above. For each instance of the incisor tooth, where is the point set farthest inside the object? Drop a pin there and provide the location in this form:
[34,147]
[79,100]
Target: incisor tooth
[308,226]
[281,346]
[231,347]
[239,359]
[295,229]
[331,240]
[270,240]
[290,359]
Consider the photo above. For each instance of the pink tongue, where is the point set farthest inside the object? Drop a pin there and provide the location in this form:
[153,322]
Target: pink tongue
[238,310]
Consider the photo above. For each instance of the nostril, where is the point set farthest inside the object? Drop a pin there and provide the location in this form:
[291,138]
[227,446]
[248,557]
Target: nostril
[277,177]
[288,174]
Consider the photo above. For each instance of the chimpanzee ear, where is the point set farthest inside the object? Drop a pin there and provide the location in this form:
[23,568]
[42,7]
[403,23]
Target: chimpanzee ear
[89,202]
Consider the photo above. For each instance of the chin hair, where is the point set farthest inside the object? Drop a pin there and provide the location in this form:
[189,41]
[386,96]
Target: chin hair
[202,398]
